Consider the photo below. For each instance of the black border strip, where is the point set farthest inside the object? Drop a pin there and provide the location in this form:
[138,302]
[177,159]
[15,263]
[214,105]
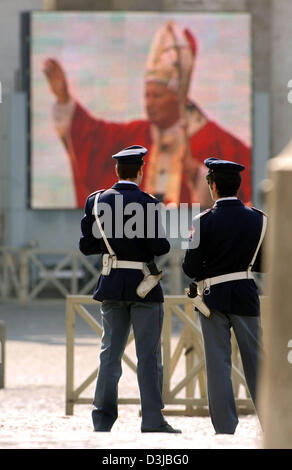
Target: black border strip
[25,38]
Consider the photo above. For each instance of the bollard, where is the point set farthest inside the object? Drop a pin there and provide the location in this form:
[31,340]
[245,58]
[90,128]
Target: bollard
[275,386]
[2,353]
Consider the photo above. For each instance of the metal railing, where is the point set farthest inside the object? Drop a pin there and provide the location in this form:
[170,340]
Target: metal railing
[29,274]
[26,274]
[187,354]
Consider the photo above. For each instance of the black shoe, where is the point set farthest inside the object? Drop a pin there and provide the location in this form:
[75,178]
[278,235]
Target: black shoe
[163,428]
[95,429]
[223,433]
[100,423]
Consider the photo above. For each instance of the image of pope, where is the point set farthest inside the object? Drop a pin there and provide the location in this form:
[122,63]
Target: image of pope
[178,134]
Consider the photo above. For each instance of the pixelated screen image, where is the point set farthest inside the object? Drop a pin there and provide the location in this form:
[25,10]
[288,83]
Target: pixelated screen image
[178,84]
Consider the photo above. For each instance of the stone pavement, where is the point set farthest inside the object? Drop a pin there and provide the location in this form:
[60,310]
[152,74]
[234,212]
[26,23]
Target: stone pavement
[32,404]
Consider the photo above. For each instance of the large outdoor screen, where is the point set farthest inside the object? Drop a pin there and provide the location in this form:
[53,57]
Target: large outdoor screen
[178,84]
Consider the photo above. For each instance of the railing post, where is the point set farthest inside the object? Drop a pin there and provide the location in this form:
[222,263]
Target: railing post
[74,279]
[23,277]
[175,272]
[190,357]
[5,286]
[2,353]
[70,332]
[166,350]
[276,378]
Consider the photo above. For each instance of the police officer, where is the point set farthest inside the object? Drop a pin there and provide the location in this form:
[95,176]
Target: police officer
[224,251]
[127,256]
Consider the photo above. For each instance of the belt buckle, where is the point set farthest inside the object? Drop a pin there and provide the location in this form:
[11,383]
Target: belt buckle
[106,264]
[207,289]
[114,261]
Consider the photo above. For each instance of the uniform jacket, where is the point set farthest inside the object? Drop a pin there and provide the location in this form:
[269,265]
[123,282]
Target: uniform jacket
[89,141]
[121,284]
[228,234]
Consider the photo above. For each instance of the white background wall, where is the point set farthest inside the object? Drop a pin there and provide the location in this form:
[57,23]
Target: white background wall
[10,38]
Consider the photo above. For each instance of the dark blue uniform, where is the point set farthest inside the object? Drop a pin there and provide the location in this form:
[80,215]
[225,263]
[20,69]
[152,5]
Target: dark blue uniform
[224,241]
[121,284]
[121,306]
[229,234]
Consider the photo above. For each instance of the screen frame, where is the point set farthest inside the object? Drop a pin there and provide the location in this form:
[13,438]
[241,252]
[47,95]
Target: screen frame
[26,74]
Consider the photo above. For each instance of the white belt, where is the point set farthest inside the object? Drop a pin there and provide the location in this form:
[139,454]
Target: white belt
[205,284]
[123,264]
[128,265]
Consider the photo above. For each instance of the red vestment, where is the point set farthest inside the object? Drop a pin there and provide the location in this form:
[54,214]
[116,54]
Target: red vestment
[91,142]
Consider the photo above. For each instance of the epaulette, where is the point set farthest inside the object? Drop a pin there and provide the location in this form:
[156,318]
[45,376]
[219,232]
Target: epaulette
[95,192]
[151,195]
[258,210]
[201,214]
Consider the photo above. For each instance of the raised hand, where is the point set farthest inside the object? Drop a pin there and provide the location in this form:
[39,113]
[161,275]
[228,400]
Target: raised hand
[57,79]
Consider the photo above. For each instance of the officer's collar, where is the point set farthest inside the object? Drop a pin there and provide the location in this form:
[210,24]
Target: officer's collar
[230,198]
[228,201]
[125,185]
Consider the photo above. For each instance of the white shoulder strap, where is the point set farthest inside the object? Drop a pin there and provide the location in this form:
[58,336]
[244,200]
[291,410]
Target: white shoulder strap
[264,227]
[110,250]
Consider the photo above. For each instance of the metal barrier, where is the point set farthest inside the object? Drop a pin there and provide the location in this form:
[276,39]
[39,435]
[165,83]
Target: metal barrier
[189,343]
[26,273]
[30,273]
[9,273]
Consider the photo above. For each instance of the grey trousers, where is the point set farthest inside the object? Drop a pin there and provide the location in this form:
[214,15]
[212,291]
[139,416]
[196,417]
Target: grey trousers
[146,319]
[216,332]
